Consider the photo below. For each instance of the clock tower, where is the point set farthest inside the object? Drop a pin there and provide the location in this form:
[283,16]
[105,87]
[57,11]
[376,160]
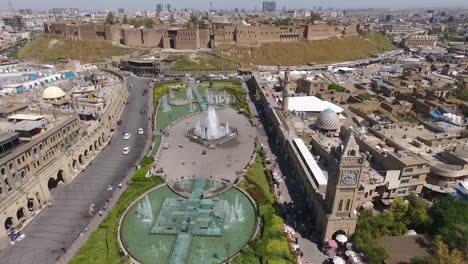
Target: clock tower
[342,198]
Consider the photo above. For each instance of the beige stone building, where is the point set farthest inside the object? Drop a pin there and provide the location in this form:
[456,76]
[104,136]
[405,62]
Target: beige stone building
[54,152]
[341,169]
[196,38]
[419,41]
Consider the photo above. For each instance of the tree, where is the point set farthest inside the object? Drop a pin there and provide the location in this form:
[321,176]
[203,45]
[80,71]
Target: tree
[450,222]
[398,209]
[418,213]
[194,19]
[110,19]
[314,17]
[441,255]
[369,229]
[149,23]
[125,19]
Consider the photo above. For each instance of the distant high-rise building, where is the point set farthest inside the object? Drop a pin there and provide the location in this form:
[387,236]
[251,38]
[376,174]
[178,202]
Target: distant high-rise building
[159,8]
[388,18]
[16,22]
[163,7]
[64,11]
[269,6]
[121,11]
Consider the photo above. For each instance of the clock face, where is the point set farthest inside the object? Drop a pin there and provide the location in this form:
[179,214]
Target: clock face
[349,178]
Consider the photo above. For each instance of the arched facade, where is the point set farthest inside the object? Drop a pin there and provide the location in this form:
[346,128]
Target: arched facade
[53,163]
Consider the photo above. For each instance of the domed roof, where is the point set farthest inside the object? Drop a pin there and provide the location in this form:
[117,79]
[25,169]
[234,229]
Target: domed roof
[53,92]
[328,120]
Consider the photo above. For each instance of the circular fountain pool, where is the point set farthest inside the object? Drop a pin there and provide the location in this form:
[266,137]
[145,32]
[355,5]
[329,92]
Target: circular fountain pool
[194,221]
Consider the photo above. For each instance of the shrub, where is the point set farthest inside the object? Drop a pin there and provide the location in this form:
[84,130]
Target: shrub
[336,87]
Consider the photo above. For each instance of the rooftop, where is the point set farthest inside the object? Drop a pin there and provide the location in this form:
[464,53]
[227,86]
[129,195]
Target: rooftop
[401,249]
[311,104]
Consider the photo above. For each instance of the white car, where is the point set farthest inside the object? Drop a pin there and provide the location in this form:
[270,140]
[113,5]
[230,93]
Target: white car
[126,150]
[140,131]
[127,136]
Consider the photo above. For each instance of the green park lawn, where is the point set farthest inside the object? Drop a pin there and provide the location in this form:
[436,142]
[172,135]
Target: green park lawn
[270,245]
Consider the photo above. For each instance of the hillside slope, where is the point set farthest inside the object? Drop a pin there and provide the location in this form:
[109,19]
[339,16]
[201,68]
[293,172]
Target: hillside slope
[324,51]
[50,48]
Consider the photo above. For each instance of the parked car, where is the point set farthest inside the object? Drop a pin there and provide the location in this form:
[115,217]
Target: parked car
[140,131]
[126,150]
[127,136]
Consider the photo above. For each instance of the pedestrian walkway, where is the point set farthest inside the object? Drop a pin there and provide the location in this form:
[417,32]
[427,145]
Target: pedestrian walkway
[199,97]
[181,249]
[293,205]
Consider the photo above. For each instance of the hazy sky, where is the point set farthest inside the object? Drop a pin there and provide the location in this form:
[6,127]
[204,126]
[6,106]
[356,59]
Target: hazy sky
[204,4]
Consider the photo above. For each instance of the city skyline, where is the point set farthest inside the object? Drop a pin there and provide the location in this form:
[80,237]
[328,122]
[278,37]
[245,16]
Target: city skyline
[218,4]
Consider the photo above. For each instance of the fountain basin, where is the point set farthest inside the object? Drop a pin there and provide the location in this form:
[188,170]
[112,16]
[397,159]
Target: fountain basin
[192,135]
[211,131]
[145,243]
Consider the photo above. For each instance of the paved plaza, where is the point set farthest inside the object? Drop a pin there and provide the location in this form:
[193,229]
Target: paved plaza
[183,158]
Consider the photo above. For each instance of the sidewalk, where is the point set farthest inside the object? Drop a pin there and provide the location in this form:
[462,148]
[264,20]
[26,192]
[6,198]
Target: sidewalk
[294,208]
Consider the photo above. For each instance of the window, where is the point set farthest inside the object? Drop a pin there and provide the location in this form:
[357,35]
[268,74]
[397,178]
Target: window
[401,191]
[340,205]
[412,188]
[415,177]
[348,204]
[404,181]
[408,170]
[420,166]
[8,185]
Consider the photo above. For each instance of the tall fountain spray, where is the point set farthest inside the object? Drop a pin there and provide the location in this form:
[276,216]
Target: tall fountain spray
[144,210]
[233,213]
[190,99]
[171,93]
[212,129]
[166,107]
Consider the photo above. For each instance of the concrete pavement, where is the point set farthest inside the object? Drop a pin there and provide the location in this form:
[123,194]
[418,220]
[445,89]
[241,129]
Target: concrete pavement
[58,226]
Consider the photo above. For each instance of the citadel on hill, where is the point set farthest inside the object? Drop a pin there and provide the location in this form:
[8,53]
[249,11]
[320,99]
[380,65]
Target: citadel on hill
[207,36]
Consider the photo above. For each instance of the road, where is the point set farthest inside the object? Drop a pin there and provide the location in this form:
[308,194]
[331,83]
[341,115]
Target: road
[290,198]
[56,227]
